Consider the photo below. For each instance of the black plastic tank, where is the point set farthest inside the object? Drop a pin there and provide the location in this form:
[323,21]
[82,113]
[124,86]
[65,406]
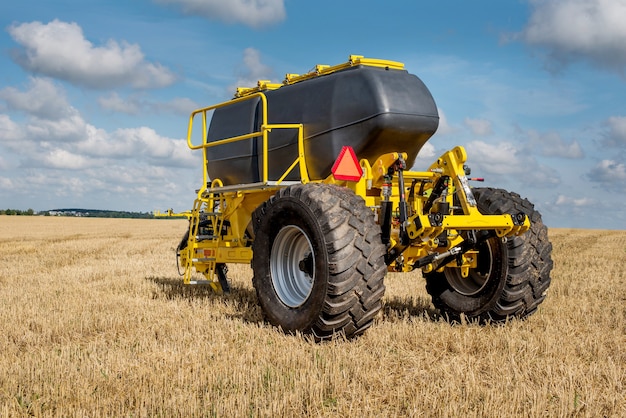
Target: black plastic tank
[374,110]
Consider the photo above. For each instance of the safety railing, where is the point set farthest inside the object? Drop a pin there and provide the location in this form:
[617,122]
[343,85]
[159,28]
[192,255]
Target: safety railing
[263,132]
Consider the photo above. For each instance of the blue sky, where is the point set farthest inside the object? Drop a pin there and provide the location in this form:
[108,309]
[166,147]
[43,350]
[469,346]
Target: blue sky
[95,96]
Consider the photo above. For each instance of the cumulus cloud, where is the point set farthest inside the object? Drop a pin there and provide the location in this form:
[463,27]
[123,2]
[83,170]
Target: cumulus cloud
[66,160]
[43,99]
[60,50]
[252,70]
[61,183]
[253,13]
[569,30]
[508,160]
[425,157]
[144,140]
[135,164]
[143,143]
[68,129]
[4,164]
[9,130]
[552,145]
[563,200]
[50,116]
[572,210]
[480,127]
[254,67]
[62,139]
[178,105]
[134,105]
[427,151]
[617,131]
[6,184]
[500,158]
[610,172]
[114,103]
[444,127]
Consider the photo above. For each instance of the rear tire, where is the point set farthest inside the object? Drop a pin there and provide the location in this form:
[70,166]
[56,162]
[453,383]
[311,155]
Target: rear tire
[511,279]
[318,261]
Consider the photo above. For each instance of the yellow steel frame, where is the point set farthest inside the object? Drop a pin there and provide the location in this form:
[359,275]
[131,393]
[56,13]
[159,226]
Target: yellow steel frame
[219,227]
[215,203]
[264,131]
[422,232]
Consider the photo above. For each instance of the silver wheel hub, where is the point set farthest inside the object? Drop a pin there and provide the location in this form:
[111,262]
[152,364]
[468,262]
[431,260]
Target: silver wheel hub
[292,266]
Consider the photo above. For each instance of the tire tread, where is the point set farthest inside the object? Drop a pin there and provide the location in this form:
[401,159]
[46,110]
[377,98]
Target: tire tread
[355,254]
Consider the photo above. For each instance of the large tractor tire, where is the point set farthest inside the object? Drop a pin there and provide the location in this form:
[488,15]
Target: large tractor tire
[318,261]
[512,275]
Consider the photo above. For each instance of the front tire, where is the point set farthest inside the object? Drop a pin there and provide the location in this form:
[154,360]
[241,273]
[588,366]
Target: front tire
[511,278]
[318,261]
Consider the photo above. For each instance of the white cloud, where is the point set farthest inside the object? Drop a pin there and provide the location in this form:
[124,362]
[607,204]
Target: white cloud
[145,140]
[591,30]
[505,159]
[178,105]
[252,70]
[134,105]
[9,130]
[6,184]
[60,50]
[4,164]
[140,144]
[563,200]
[610,172]
[552,145]
[481,127]
[115,103]
[65,160]
[425,157]
[69,129]
[42,99]
[136,166]
[444,127]
[69,185]
[427,151]
[253,13]
[68,142]
[252,60]
[50,116]
[500,158]
[617,131]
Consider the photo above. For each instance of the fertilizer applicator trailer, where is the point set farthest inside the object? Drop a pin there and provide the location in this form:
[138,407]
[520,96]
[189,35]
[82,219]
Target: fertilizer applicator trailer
[308,181]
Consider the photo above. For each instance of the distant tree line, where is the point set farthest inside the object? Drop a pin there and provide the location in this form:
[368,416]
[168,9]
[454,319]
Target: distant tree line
[117,214]
[18,212]
[88,213]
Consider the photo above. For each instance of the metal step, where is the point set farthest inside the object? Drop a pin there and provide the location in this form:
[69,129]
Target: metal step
[205,237]
[203,260]
[200,282]
[209,214]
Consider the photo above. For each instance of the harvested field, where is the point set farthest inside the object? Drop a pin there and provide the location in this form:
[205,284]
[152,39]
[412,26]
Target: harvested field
[95,322]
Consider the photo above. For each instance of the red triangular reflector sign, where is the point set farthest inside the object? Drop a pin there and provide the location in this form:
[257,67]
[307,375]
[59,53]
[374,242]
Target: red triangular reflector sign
[347,166]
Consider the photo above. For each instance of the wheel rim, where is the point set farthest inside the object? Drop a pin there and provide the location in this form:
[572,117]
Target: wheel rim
[292,266]
[478,277]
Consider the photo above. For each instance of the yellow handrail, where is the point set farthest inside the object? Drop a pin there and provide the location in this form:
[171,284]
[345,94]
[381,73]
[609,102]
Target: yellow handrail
[264,131]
